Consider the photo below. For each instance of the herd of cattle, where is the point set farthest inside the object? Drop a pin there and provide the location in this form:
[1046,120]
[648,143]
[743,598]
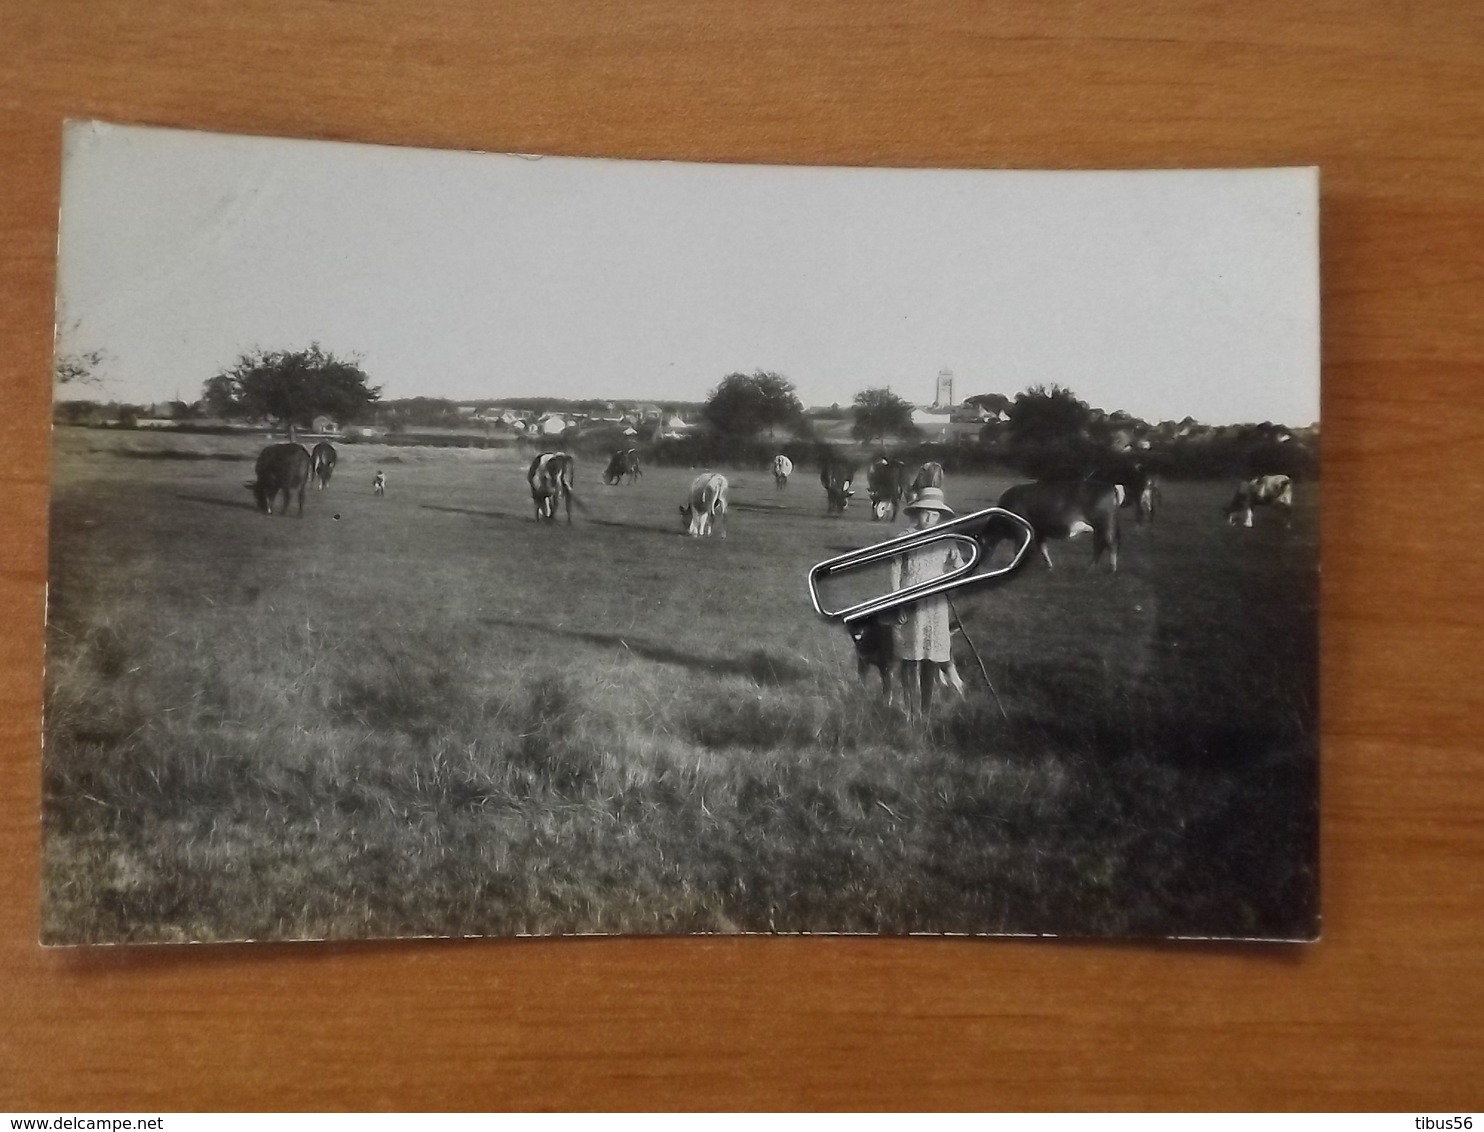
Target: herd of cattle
[1054,509]
[283,469]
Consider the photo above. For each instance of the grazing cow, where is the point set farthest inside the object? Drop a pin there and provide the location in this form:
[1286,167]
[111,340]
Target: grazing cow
[1138,486]
[929,475]
[707,505]
[875,647]
[378,485]
[1065,510]
[887,484]
[1264,491]
[550,476]
[323,458]
[783,467]
[624,462]
[613,473]
[281,469]
[837,477]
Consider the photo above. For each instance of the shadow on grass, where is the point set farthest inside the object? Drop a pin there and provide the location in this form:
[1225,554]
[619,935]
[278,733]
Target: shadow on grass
[235,504]
[472,511]
[653,528]
[772,671]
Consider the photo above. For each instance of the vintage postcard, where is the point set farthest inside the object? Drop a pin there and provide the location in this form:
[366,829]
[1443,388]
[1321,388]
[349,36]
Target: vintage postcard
[451,544]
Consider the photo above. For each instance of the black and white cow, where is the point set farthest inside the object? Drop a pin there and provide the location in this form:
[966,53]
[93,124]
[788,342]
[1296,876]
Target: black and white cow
[837,477]
[282,469]
[875,647]
[323,458]
[1066,510]
[706,505]
[888,484]
[1264,491]
[783,467]
[550,476]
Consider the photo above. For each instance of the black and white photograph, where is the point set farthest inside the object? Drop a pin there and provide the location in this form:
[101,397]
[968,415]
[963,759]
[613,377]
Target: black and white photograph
[455,544]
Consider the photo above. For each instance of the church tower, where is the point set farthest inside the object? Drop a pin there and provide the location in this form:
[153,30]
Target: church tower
[944,398]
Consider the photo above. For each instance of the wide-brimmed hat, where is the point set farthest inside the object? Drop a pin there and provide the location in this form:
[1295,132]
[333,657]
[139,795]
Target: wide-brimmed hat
[929,499]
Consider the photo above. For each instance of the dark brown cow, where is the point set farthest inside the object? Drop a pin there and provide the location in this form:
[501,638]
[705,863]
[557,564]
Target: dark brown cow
[888,485]
[550,476]
[282,469]
[1065,510]
[837,478]
[624,462]
[323,463]
[1140,487]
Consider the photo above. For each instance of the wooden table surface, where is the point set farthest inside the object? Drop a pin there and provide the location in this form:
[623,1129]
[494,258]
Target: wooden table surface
[1385,1012]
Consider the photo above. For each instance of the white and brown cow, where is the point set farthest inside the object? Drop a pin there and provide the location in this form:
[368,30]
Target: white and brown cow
[1150,499]
[550,476]
[783,467]
[706,506]
[1263,491]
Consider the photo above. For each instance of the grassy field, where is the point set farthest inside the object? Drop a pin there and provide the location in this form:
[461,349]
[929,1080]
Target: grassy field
[430,715]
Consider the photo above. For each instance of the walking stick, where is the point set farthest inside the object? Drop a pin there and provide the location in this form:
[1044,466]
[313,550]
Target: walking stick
[968,640]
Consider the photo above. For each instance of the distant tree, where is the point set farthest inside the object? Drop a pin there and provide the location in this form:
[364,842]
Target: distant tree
[989,402]
[1046,414]
[291,387]
[743,405]
[78,369]
[422,412]
[880,413]
[76,412]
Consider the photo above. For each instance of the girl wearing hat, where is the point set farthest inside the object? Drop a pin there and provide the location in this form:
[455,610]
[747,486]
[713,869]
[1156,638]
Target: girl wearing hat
[921,635]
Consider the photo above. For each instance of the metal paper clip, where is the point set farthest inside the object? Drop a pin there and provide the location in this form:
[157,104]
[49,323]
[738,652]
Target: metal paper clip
[969,532]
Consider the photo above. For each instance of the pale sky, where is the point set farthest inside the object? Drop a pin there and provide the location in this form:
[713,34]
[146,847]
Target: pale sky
[460,275]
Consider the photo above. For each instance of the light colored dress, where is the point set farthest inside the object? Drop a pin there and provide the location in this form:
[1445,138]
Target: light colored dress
[924,636]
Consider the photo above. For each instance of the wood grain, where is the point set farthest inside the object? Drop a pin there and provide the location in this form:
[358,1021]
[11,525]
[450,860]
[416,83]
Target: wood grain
[1384,1013]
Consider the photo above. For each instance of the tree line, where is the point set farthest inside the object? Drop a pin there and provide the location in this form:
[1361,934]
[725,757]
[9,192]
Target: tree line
[1049,433]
